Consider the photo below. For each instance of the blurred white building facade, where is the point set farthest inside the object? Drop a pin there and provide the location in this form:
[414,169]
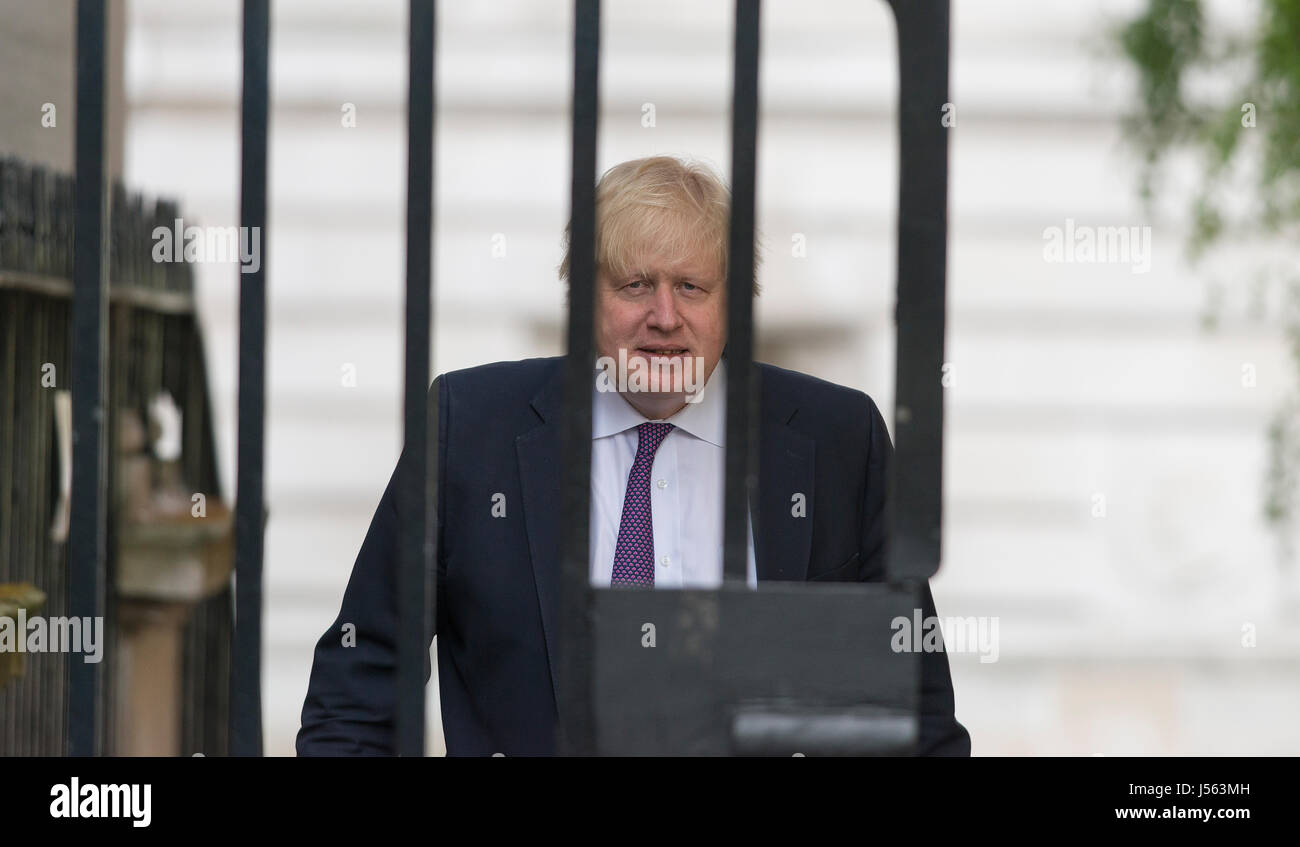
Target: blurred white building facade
[1104,456]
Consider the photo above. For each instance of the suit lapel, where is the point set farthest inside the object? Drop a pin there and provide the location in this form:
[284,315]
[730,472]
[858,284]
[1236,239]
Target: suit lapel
[782,538]
[541,470]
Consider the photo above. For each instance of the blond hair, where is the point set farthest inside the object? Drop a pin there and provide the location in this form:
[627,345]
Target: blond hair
[659,205]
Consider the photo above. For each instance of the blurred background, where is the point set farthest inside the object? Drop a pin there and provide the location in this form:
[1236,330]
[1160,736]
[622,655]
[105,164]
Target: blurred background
[1121,434]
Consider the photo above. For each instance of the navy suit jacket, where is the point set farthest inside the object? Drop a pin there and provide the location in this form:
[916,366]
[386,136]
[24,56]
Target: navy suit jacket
[499,583]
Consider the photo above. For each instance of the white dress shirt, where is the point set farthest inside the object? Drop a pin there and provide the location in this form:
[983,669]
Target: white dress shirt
[686,487]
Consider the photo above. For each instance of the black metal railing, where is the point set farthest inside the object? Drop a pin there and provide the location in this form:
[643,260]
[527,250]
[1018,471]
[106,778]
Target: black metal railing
[915,504]
[914,517]
[246,657]
[87,578]
[417,498]
[154,346]
[33,335]
[573,681]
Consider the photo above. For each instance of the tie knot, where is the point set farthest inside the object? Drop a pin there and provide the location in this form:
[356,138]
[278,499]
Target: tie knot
[651,435]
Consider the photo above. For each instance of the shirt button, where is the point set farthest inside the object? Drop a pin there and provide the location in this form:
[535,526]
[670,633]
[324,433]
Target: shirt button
[665,561]
[663,483]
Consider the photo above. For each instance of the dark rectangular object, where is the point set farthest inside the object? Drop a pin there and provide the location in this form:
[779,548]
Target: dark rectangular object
[915,503]
[574,678]
[742,395]
[246,658]
[86,538]
[417,498]
[791,668]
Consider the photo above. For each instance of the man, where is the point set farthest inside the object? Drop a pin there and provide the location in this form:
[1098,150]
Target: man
[658,446]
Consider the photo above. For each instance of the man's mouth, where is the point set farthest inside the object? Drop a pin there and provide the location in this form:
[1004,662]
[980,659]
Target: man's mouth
[662,351]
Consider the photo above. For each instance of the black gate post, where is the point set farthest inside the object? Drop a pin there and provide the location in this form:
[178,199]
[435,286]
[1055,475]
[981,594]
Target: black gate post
[576,717]
[417,498]
[86,539]
[915,504]
[742,394]
[250,524]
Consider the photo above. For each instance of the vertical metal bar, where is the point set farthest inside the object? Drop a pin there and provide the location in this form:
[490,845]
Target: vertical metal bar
[915,504]
[246,658]
[86,541]
[577,722]
[742,391]
[416,497]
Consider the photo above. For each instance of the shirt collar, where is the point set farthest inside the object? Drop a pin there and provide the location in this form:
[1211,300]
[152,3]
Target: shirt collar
[705,419]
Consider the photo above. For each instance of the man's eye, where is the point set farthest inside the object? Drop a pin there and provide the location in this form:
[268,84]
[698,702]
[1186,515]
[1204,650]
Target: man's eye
[689,286]
[640,282]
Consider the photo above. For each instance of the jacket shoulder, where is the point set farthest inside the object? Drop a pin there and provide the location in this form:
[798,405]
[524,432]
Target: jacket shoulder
[785,387]
[498,381]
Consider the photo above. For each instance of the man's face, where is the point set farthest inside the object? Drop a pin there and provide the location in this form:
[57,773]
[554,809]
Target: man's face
[672,316]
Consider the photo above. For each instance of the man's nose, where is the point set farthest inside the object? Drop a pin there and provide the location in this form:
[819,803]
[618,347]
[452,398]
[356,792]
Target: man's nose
[663,313]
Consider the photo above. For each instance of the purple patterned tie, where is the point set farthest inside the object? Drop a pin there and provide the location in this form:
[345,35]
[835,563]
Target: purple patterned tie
[634,556]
